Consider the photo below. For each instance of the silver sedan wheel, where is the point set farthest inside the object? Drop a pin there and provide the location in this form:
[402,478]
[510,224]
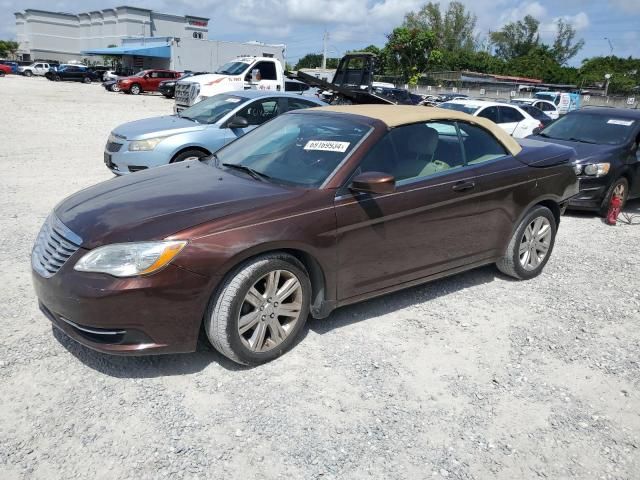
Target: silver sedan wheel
[619,191]
[270,311]
[535,243]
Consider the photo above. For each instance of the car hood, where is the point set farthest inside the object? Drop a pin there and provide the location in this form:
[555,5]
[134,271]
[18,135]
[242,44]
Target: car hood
[156,127]
[585,152]
[156,203]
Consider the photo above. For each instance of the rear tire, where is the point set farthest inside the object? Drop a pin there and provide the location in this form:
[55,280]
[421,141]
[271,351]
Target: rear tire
[135,89]
[618,188]
[189,155]
[530,246]
[259,310]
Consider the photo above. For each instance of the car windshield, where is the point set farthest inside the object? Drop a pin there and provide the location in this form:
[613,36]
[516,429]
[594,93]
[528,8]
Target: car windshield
[213,109]
[591,128]
[295,149]
[141,73]
[233,68]
[460,107]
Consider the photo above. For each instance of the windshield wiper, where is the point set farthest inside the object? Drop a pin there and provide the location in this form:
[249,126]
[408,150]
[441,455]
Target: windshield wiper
[546,136]
[188,118]
[580,140]
[254,173]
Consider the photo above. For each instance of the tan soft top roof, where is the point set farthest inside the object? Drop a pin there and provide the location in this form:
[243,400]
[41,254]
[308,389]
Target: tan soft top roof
[397,115]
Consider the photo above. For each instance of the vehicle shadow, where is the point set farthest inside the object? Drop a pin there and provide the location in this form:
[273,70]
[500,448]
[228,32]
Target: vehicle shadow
[392,302]
[152,366]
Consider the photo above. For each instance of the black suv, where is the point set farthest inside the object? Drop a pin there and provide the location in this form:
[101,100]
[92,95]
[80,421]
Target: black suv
[608,162]
[168,87]
[78,73]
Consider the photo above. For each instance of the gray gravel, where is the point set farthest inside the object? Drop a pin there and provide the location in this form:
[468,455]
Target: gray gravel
[472,377]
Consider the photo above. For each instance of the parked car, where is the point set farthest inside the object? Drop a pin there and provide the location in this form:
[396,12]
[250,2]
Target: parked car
[197,131]
[145,81]
[511,118]
[168,87]
[36,68]
[12,65]
[546,106]
[4,70]
[608,161]
[538,114]
[100,71]
[316,209]
[111,85]
[77,73]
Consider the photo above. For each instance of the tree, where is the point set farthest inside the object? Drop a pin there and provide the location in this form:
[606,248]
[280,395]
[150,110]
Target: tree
[408,51]
[516,39]
[8,48]
[452,31]
[314,60]
[563,48]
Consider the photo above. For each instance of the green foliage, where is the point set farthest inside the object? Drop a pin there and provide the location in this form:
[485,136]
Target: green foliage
[452,31]
[516,39]
[563,47]
[625,72]
[407,50]
[314,60]
[8,48]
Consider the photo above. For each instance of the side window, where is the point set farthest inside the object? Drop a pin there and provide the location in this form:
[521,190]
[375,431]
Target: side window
[479,145]
[491,113]
[298,103]
[510,115]
[260,111]
[154,74]
[267,70]
[421,150]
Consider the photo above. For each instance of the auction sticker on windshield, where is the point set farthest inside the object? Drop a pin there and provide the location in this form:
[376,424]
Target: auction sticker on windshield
[626,123]
[327,146]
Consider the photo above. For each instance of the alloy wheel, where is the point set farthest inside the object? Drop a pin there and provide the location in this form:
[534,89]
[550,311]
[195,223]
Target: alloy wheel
[619,191]
[535,243]
[270,310]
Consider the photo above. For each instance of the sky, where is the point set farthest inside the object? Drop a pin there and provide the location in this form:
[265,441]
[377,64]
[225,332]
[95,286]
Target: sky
[353,24]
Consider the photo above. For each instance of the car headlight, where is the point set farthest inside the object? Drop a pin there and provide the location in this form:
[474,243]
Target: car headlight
[597,169]
[169,84]
[130,259]
[145,145]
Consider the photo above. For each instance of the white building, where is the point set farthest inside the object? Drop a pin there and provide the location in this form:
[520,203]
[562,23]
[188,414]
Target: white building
[142,39]
[62,36]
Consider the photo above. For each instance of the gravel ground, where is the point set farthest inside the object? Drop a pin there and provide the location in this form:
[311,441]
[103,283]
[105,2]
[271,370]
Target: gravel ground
[473,377]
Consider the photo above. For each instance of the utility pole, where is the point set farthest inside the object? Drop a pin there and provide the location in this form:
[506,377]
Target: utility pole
[325,37]
[610,46]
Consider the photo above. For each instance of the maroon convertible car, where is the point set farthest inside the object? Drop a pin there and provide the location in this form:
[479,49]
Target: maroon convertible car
[314,210]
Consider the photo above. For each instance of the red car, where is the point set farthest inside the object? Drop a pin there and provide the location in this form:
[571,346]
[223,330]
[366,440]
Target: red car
[4,70]
[146,81]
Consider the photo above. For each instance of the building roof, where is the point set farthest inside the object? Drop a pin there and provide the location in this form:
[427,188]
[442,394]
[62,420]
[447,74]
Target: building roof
[398,115]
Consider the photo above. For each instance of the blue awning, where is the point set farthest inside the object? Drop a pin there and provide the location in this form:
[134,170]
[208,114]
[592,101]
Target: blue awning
[158,51]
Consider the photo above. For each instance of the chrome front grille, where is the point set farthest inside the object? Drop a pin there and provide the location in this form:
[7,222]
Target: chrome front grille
[183,94]
[53,247]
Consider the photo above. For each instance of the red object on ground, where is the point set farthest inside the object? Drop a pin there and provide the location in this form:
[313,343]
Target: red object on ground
[614,210]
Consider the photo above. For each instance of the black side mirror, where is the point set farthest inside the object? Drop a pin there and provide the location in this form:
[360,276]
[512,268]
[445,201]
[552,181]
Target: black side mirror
[237,122]
[374,182]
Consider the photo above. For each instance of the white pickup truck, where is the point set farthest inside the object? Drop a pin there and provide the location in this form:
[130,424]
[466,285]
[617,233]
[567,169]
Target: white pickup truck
[242,73]
[36,68]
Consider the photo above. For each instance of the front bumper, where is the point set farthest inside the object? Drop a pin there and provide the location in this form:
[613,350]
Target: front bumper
[591,194]
[159,313]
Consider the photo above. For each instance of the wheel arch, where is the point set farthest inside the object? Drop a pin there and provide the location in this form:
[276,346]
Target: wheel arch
[320,306]
[183,149]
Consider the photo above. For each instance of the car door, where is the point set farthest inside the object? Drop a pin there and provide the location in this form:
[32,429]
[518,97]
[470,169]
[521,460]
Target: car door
[514,122]
[425,227]
[40,69]
[268,75]
[256,113]
[153,80]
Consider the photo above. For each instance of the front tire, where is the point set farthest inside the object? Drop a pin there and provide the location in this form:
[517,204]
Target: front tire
[619,188]
[189,155]
[135,89]
[86,80]
[530,246]
[260,309]
[28,73]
